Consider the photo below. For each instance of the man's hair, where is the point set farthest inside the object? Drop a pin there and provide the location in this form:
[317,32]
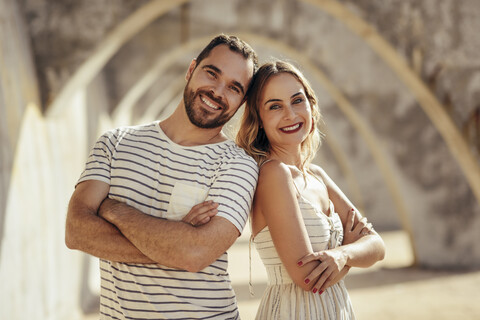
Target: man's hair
[235,44]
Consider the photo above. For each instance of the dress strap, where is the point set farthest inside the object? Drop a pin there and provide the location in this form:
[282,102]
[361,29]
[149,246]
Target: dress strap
[294,184]
[250,285]
[296,188]
[267,160]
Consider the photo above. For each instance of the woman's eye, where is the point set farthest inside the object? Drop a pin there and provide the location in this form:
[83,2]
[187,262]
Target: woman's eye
[274,107]
[298,100]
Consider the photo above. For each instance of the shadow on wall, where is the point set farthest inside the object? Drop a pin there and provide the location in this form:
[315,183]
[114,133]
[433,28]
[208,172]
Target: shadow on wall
[6,173]
[89,300]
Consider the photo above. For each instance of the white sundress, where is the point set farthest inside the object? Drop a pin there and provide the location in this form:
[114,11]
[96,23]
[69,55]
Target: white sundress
[283,299]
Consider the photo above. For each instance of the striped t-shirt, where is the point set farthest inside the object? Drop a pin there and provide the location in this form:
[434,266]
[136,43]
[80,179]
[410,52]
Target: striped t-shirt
[148,171]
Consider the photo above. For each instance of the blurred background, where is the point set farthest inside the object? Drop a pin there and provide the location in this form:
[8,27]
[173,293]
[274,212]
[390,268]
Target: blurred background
[398,83]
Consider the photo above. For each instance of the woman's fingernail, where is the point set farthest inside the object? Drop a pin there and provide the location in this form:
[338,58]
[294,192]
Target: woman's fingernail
[307,281]
[299,263]
[314,290]
[320,292]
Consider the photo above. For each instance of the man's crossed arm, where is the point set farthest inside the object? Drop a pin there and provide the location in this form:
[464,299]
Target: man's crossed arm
[124,234]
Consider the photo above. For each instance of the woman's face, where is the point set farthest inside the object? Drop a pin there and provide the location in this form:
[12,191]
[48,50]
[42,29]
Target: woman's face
[285,111]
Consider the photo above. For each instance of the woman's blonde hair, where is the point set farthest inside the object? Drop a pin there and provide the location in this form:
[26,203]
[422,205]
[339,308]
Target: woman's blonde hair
[251,135]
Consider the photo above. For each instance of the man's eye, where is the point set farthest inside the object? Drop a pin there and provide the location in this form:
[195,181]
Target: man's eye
[211,73]
[235,89]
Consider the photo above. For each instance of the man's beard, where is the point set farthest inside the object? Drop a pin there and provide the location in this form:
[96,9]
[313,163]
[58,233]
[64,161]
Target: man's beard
[198,116]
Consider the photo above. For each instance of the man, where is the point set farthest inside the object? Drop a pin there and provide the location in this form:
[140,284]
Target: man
[159,256]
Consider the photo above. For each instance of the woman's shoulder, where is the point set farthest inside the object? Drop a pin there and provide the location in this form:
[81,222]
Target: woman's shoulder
[272,173]
[274,167]
[317,170]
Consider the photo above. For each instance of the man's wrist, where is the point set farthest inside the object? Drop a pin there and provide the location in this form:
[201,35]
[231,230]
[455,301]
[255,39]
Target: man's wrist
[106,209]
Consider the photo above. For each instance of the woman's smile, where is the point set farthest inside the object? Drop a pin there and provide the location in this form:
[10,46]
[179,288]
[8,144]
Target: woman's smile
[293,128]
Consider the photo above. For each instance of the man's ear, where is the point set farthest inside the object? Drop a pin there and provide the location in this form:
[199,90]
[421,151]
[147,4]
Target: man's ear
[192,66]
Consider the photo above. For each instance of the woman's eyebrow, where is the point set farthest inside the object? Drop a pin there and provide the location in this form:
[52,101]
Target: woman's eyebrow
[272,100]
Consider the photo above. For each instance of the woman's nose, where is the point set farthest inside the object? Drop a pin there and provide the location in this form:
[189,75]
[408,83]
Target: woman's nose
[289,113]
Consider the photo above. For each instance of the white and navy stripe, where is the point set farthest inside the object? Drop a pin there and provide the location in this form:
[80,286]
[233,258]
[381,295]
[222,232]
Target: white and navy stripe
[143,167]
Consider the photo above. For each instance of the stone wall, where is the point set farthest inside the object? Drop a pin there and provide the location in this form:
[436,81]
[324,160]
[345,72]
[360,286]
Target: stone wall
[43,43]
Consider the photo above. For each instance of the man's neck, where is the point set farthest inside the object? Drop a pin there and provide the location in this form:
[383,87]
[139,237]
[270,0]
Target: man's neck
[180,130]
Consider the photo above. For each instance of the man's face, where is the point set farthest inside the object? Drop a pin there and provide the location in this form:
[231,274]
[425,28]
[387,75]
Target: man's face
[216,87]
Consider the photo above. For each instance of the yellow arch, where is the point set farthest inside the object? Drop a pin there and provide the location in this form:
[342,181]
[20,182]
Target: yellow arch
[357,121]
[140,19]
[434,110]
[137,21]
[342,162]
[177,85]
[167,95]
[123,110]
[429,103]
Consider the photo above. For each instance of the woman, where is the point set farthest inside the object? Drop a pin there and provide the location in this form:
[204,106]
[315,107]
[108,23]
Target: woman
[299,216]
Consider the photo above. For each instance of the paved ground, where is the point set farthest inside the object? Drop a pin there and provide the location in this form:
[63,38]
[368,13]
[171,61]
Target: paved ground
[390,290]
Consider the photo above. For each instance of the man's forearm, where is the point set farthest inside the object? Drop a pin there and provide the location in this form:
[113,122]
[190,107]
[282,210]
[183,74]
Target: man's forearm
[171,243]
[87,232]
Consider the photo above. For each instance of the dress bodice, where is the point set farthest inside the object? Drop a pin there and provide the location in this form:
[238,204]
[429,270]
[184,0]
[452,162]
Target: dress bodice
[325,232]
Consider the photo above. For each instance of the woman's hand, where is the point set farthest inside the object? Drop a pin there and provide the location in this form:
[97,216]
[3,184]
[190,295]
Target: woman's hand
[352,232]
[332,262]
[201,213]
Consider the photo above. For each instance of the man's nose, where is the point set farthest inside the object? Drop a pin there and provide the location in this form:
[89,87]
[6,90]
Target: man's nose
[218,90]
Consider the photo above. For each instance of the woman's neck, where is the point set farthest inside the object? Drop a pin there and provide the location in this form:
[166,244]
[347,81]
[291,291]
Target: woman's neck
[289,156]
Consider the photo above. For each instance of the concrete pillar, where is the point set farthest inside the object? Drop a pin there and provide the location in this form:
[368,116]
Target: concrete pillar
[40,161]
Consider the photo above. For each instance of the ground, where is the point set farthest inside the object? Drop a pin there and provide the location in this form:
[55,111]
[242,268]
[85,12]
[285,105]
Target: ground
[391,289]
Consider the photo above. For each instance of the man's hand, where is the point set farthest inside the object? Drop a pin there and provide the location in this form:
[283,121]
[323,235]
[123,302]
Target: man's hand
[201,213]
[173,243]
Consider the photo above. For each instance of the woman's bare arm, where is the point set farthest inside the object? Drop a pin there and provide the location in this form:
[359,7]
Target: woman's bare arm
[276,205]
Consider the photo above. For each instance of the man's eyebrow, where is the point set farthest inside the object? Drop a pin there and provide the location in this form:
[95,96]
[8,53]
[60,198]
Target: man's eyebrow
[214,68]
[217,70]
